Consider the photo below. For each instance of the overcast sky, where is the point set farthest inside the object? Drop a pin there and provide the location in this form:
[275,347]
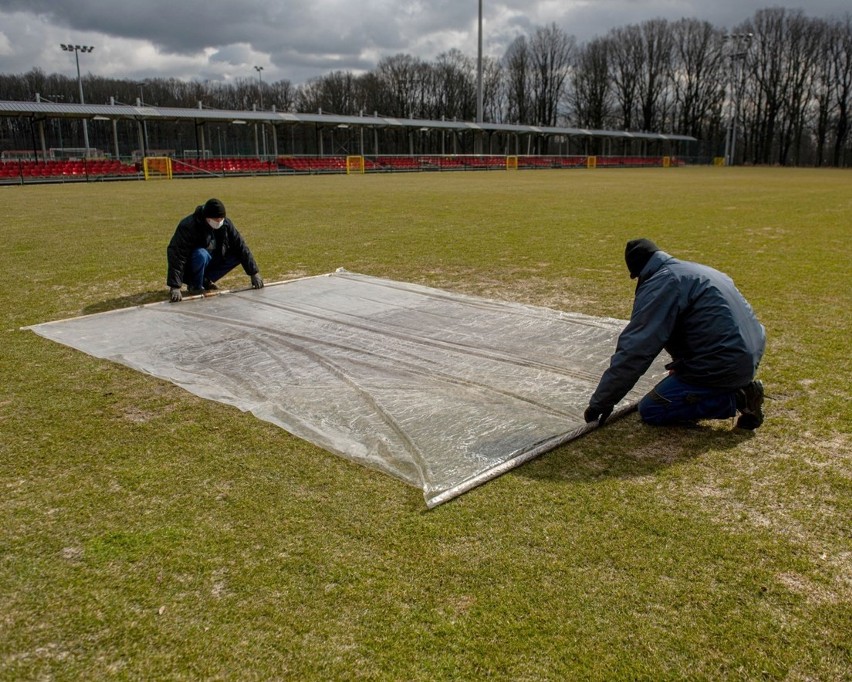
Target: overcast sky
[223,40]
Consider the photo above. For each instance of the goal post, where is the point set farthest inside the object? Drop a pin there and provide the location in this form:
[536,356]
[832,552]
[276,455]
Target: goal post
[157,167]
[354,164]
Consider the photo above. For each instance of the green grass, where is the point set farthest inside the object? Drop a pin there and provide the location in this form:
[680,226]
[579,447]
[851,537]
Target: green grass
[148,534]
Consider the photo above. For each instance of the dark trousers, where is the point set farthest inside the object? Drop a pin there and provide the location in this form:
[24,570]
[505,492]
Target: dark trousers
[204,265]
[673,401]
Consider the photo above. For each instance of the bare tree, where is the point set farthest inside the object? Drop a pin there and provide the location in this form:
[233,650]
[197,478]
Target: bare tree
[454,95]
[373,96]
[627,56]
[590,98]
[801,52]
[400,76]
[493,90]
[518,61]
[283,95]
[766,83]
[697,75]
[823,92]
[551,50]
[841,59]
[339,93]
[657,47]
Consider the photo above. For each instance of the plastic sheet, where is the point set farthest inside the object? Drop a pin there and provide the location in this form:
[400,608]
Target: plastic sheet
[442,390]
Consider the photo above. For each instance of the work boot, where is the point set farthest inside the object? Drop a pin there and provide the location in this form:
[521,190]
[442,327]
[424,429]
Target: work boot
[750,405]
[192,291]
[210,286]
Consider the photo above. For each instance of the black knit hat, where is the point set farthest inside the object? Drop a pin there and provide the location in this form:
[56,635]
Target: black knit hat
[213,209]
[637,253]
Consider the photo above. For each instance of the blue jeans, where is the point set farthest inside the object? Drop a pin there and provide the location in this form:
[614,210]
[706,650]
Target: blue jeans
[673,401]
[204,265]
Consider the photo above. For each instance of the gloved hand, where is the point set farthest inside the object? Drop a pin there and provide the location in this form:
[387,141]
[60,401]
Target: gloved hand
[598,414]
[256,281]
[175,294]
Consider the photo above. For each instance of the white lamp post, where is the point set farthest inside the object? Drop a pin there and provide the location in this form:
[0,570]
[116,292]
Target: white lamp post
[479,107]
[145,145]
[76,49]
[259,69]
[739,52]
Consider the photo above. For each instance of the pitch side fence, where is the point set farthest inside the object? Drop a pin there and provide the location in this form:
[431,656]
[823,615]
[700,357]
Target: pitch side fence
[24,171]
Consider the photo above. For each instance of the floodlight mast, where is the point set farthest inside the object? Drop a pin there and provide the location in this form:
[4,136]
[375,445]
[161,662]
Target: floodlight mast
[76,49]
[741,43]
[259,69]
[144,138]
[477,143]
[479,104]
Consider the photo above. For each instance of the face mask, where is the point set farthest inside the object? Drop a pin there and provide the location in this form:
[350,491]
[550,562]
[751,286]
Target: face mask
[215,224]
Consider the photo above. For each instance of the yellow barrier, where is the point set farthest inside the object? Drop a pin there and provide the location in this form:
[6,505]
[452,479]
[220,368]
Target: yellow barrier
[354,164]
[157,167]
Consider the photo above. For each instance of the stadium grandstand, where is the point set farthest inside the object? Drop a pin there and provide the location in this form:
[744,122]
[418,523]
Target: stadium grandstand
[222,143]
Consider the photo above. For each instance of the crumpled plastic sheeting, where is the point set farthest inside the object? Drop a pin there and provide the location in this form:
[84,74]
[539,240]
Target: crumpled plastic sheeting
[442,390]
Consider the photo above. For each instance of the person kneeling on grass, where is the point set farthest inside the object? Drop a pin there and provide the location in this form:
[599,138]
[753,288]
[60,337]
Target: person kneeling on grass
[716,343]
[204,248]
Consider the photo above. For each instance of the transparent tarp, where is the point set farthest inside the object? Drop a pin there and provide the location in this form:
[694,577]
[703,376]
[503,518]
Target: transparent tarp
[442,390]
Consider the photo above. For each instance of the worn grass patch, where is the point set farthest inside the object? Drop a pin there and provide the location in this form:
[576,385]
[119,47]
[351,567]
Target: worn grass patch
[148,534]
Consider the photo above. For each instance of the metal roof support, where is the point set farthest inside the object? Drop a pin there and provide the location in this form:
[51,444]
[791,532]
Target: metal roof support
[201,138]
[41,137]
[141,138]
[256,139]
[115,138]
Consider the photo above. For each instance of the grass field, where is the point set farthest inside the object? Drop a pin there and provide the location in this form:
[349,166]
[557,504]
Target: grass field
[148,534]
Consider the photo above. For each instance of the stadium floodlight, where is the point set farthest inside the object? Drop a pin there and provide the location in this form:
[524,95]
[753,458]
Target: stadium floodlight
[145,145]
[739,51]
[479,107]
[259,70]
[77,49]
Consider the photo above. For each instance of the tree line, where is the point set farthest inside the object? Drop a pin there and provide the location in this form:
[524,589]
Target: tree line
[777,88]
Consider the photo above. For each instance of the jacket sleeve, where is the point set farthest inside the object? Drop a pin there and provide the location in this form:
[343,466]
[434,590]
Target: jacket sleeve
[177,252]
[655,313]
[237,245]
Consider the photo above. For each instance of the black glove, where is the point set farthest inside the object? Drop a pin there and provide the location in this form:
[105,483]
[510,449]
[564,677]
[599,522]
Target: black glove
[256,281]
[598,414]
[175,294]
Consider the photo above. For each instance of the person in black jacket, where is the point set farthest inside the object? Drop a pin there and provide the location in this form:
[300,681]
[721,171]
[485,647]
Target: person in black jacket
[710,331]
[204,248]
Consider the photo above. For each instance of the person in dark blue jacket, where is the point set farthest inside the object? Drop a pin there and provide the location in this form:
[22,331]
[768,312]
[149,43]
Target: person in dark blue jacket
[204,248]
[710,331]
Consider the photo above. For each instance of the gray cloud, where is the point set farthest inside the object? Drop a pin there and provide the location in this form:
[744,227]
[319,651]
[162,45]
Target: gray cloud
[297,39]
